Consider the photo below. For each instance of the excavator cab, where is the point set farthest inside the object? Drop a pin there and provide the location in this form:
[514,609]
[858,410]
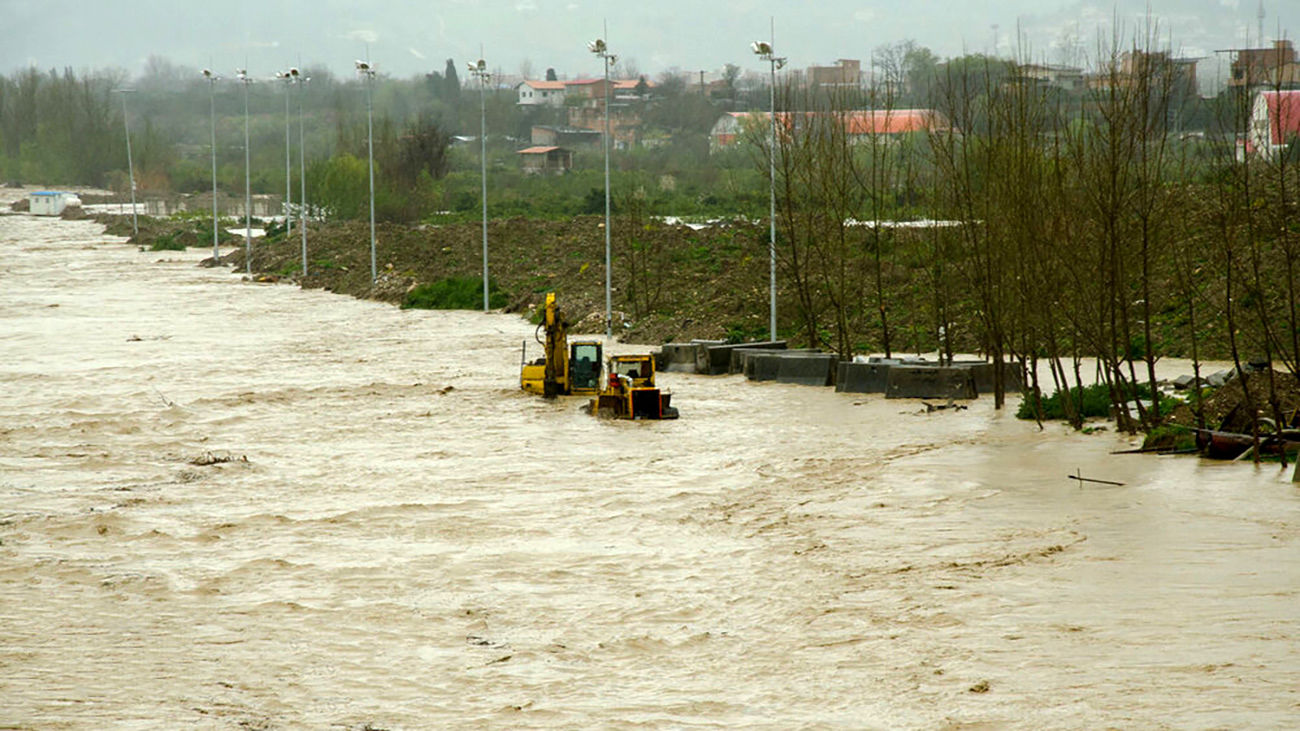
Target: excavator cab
[584,367]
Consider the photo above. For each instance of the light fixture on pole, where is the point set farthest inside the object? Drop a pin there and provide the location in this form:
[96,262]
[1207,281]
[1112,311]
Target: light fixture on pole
[212,119]
[365,69]
[130,166]
[296,76]
[242,75]
[288,157]
[599,48]
[763,50]
[480,70]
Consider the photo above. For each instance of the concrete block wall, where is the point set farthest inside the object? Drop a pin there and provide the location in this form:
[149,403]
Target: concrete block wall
[930,382]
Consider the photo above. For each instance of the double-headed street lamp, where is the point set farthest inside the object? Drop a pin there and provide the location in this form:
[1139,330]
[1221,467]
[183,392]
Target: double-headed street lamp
[479,69]
[763,49]
[288,156]
[297,78]
[212,80]
[130,166]
[365,69]
[242,75]
[599,48]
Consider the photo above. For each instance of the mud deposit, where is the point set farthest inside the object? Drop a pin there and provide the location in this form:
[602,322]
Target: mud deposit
[227,505]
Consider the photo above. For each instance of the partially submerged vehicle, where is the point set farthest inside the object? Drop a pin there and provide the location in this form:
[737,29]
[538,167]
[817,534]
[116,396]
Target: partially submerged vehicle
[630,392]
[577,369]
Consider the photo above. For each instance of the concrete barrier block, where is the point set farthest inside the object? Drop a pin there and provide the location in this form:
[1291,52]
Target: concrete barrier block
[763,366]
[702,354]
[678,357]
[930,382]
[807,369]
[720,358]
[862,377]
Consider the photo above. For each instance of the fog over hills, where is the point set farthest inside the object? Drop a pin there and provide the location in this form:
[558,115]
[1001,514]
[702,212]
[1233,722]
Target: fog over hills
[410,36]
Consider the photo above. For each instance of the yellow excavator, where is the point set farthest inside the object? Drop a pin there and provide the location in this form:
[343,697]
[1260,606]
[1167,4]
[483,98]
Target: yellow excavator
[566,369]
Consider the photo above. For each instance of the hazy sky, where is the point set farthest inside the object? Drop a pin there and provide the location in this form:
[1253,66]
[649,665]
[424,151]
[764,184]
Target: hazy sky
[410,36]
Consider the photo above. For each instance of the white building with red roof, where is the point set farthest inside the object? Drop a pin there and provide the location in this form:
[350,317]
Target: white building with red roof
[1274,122]
[534,93]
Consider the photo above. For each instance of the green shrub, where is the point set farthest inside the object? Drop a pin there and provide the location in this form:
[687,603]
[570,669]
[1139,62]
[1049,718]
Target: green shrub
[167,242]
[1170,437]
[1091,401]
[453,293]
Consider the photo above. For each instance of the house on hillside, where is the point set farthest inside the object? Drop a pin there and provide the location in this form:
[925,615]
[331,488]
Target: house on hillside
[542,159]
[1274,123]
[545,135]
[860,125]
[541,93]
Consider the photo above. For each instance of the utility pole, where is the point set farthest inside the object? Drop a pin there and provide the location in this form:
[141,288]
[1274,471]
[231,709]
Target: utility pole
[599,48]
[368,72]
[764,50]
[288,157]
[300,80]
[479,69]
[130,166]
[248,186]
[212,119]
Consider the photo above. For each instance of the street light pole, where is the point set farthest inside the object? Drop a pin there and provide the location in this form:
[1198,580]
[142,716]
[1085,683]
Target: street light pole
[288,157]
[248,187]
[479,69]
[130,166]
[599,48]
[764,50]
[212,118]
[299,79]
[364,68]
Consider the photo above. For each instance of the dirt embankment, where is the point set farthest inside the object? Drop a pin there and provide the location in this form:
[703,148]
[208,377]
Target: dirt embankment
[1273,395]
[670,282]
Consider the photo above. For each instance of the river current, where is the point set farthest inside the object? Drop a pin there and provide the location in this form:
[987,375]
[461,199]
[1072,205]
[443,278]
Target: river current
[235,505]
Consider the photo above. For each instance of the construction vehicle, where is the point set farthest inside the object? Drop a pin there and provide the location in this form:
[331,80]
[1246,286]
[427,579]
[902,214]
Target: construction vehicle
[628,392]
[565,369]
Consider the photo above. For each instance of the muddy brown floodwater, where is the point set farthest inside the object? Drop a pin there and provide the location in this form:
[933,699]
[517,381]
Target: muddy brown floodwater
[414,543]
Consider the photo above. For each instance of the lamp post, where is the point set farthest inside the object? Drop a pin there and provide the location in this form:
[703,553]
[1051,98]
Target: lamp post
[296,76]
[599,48]
[212,119]
[242,75]
[479,69]
[288,156]
[763,49]
[130,166]
[365,69]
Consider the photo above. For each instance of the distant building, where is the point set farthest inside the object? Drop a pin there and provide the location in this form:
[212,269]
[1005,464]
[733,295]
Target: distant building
[541,93]
[552,136]
[1068,78]
[541,159]
[1151,67]
[1274,123]
[1275,66]
[51,202]
[860,126]
[845,72]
